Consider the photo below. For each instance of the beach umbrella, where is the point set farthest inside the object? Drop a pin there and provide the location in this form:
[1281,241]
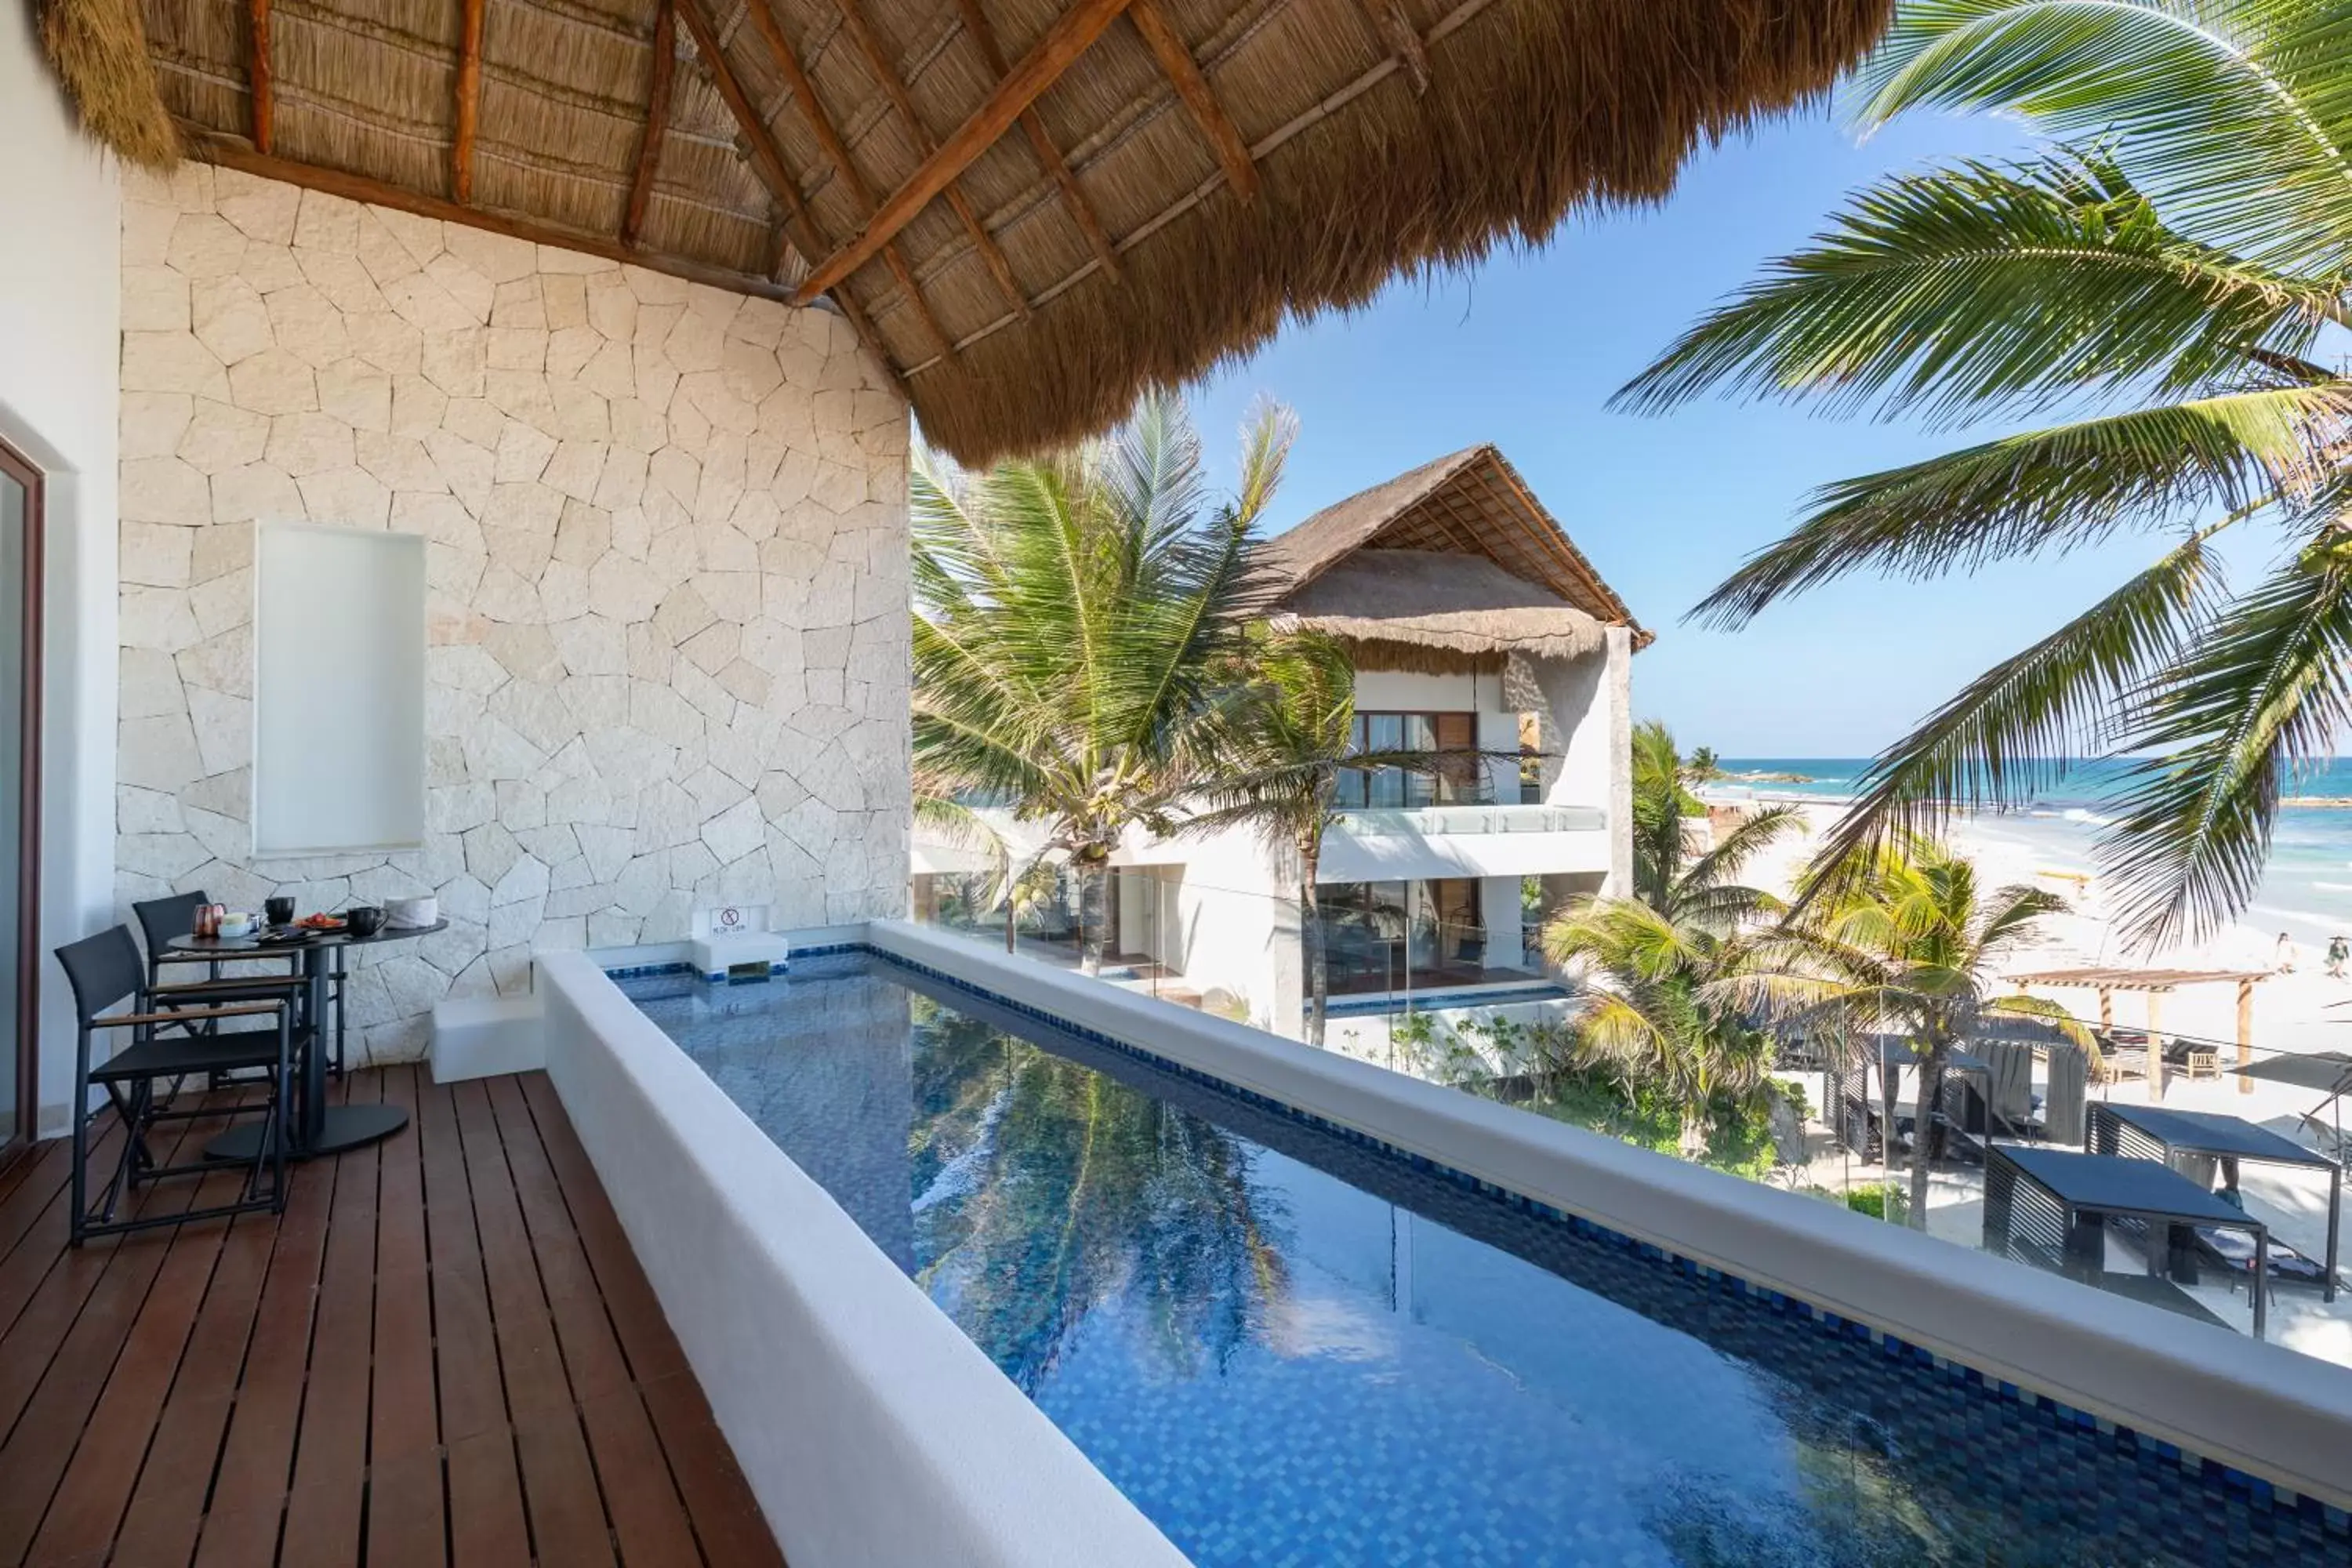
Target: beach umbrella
[2330,1072]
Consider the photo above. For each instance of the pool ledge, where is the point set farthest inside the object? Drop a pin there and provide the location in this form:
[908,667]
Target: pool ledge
[2280,1417]
[869,1427]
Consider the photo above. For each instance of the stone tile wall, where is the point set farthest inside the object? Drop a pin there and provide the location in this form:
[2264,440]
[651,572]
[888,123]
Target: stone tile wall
[667,555]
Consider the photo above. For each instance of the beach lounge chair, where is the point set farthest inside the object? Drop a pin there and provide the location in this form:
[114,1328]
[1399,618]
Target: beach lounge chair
[2111,1062]
[2234,1252]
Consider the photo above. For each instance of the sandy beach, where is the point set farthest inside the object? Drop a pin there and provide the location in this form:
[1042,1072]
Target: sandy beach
[2305,1010]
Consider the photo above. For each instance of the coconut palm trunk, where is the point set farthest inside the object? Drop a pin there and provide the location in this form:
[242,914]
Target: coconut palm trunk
[1926,1136]
[1094,909]
[1310,937]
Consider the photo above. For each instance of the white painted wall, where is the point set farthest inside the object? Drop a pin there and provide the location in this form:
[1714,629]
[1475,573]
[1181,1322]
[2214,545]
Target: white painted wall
[59,324]
[1590,728]
[870,1428]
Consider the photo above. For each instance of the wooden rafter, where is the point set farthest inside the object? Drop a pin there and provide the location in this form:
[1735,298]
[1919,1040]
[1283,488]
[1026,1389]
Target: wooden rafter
[257,71]
[1200,100]
[1394,29]
[769,163]
[885,73]
[641,184]
[1054,54]
[233,153]
[469,101]
[837,152]
[1041,143]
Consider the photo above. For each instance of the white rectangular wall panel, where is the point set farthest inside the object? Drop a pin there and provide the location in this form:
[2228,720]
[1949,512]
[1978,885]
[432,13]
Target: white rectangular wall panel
[339,690]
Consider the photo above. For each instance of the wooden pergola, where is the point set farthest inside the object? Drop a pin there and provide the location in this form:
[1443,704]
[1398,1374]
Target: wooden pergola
[2155,985]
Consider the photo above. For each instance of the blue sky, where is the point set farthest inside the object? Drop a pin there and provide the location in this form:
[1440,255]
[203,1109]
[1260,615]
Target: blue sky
[1525,353]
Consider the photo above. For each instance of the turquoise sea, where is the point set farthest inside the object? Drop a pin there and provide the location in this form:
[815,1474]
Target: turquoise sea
[2307,890]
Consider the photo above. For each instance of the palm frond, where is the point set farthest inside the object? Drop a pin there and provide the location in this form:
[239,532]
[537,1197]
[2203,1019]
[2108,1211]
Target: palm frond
[2229,113]
[2263,691]
[2050,490]
[2009,733]
[1982,290]
[1751,836]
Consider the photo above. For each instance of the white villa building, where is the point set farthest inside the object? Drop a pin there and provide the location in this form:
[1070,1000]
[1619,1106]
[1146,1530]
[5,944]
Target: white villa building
[1475,624]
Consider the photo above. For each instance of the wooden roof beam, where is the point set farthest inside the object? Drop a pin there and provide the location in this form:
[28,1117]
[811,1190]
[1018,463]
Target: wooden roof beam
[769,163]
[1200,101]
[1054,54]
[641,184]
[1041,143]
[879,66]
[256,74]
[828,137]
[469,102]
[1393,29]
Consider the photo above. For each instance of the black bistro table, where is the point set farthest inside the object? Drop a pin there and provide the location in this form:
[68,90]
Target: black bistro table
[2156,1132]
[2053,1204]
[317,1129]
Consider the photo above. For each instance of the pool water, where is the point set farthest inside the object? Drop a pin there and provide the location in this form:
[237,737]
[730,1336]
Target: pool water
[1288,1348]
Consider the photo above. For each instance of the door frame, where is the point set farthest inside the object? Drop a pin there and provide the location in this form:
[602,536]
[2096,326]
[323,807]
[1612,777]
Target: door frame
[19,1130]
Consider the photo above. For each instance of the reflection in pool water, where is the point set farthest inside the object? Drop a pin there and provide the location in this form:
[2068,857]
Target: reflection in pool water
[1287,1348]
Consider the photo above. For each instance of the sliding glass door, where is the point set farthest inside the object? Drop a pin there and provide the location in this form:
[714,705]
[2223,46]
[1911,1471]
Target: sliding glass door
[20,673]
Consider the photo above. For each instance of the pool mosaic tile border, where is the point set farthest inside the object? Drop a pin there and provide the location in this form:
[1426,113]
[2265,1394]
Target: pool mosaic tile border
[2315,1516]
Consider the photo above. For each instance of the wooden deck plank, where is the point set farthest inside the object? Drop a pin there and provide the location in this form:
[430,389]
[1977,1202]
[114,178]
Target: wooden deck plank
[52,1420]
[89,1507]
[166,1508]
[257,1460]
[40,1176]
[719,1500]
[323,1515]
[648,1515]
[591,1352]
[44,1244]
[281,1390]
[407,1518]
[487,1527]
[567,1513]
[652,1349]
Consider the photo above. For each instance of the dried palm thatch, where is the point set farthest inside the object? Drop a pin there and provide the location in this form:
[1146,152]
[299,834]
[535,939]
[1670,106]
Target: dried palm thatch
[1030,209]
[1472,503]
[1398,607]
[99,50]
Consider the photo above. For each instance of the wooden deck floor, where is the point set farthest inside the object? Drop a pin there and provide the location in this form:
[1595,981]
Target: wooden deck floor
[442,1355]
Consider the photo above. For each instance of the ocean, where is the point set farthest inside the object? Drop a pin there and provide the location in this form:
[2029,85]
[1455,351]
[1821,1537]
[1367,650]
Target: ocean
[2307,890]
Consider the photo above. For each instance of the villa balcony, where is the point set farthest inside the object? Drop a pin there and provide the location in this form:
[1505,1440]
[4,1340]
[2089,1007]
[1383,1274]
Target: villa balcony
[1473,840]
[444,1353]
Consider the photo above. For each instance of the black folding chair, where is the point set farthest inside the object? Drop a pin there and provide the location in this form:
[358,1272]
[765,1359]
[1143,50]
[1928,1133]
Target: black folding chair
[104,971]
[162,921]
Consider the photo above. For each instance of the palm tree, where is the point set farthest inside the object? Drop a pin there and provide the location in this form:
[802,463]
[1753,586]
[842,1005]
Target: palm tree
[1666,875]
[1703,766]
[1072,615]
[1666,972]
[1913,947]
[2165,271]
[1286,734]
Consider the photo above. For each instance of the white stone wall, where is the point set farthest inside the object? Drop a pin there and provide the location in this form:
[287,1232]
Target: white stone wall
[668,558]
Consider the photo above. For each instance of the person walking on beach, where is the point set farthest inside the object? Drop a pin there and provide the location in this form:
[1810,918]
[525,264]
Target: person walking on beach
[2283,956]
[2338,950]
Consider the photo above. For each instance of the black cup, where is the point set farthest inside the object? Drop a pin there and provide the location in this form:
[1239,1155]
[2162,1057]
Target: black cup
[365,919]
[280,911]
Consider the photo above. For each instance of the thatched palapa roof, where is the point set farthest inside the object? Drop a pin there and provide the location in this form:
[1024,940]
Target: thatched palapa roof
[1450,563]
[1413,599]
[1030,209]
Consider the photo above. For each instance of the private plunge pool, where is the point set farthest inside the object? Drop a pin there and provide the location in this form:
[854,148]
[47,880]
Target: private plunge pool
[1285,1347]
